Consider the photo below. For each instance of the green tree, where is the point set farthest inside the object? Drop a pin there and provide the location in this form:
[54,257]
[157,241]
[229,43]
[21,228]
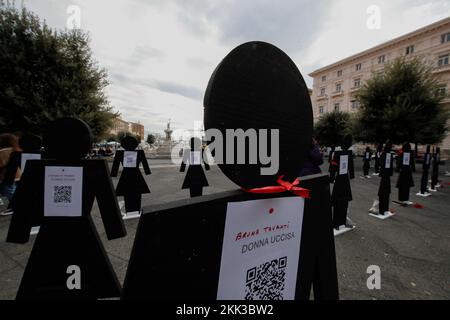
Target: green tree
[331,127]
[46,74]
[402,105]
[151,139]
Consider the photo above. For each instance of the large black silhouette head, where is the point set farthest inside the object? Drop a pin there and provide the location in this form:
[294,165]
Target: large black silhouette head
[129,143]
[428,149]
[347,142]
[367,149]
[67,139]
[438,150]
[30,143]
[257,86]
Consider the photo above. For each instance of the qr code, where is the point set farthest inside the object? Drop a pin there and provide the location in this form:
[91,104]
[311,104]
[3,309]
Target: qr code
[63,194]
[266,281]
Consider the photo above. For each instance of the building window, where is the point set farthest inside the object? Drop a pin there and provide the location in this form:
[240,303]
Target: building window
[442,91]
[358,67]
[410,49]
[320,109]
[381,59]
[443,60]
[322,91]
[324,78]
[357,83]
[336,107]
[355,104]
[445,37]
[339,73]
[338,87]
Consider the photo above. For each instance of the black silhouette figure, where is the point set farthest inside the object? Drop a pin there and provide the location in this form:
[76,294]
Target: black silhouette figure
[435,171]
[366,161]
[195,178]
[59,194]
[378,154]
[342,191]
[131,184]
[255,86]
[386,172]
[405,179]
[425,171]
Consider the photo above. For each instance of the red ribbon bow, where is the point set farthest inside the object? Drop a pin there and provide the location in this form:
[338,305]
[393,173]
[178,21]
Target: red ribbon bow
[283,187]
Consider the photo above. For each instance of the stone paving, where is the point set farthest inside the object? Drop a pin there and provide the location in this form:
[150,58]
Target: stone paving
[412,248]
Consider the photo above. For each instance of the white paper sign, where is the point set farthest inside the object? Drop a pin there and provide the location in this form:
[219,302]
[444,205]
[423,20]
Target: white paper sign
[261,239]
[195,157]
[406,157]
[343,164]
[129,159]
[388,161]
[367,156]
[63,191]
[28,156]
[379,154]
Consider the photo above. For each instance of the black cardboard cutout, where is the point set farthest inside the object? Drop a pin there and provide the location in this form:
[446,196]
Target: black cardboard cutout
[257,86]
[195,178]
[67,241]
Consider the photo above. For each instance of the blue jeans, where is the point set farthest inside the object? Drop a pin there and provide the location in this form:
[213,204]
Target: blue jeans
[7,190]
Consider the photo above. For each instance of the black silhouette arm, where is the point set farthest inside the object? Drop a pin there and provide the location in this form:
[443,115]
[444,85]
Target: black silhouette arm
[116,163]
[144,162]
[185,160]
[107,202]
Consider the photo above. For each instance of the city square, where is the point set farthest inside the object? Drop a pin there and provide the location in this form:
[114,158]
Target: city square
[226,151]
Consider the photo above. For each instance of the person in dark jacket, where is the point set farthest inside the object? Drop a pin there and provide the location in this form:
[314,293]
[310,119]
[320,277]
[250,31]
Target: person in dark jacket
[313,161]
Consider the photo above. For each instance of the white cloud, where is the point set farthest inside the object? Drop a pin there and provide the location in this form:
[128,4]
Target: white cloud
[160,54]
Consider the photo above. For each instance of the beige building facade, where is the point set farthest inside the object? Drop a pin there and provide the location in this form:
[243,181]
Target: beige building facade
[335,86]
[119,125]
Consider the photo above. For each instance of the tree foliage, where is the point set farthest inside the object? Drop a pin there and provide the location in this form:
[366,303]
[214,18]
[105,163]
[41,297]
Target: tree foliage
[151,139]
[46,74]
[332,127]
[402,105]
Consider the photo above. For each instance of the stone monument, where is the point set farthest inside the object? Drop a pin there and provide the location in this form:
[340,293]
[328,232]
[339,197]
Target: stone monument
[165,149]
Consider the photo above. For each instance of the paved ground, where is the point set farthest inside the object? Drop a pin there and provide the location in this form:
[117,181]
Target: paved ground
[412,249]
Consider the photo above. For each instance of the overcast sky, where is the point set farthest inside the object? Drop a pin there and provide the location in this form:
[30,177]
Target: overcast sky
[159,54]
